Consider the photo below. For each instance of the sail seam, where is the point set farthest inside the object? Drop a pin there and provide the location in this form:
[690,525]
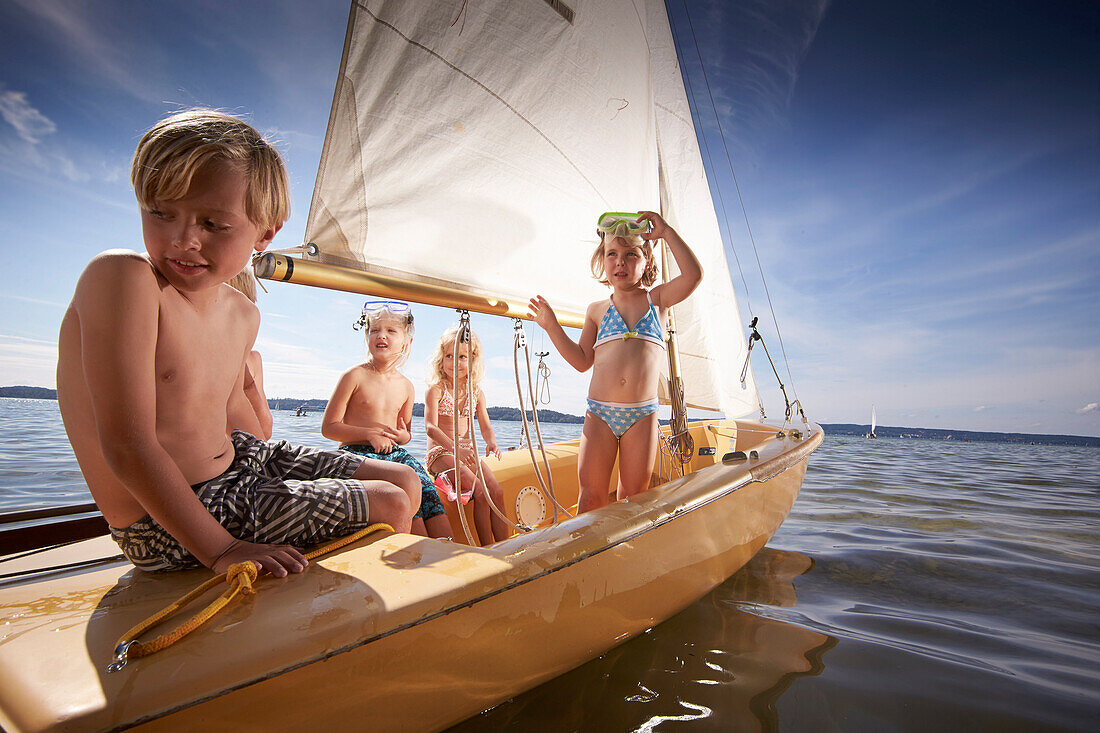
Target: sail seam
[491,93]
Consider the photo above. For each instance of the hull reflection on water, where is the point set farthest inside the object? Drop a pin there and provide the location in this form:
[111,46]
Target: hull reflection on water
[717,665]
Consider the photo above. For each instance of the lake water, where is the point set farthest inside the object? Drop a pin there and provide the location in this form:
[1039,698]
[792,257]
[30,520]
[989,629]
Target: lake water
[917,585]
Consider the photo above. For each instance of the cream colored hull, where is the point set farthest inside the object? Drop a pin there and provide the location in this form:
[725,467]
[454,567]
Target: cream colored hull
[402,632]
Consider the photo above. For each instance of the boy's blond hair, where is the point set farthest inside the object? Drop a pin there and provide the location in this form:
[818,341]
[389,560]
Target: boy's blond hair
[447,341]
[244,282]
[649,275]
[175,148]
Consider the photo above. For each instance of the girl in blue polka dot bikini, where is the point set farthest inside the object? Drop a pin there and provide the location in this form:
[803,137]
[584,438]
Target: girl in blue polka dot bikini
[625,360]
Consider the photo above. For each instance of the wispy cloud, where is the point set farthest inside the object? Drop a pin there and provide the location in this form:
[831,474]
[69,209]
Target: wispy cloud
[27,361]
[26,155]
[36,301]
[101,57]
[753,65]
[29,123]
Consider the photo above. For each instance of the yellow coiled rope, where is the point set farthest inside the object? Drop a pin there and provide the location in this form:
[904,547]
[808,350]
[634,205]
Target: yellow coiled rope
[240,578]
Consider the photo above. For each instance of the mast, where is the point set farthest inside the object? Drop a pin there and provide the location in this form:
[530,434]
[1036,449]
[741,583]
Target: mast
[679,437]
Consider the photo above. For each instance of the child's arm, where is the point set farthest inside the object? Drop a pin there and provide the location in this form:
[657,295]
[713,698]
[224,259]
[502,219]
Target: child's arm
[431,418]
[438,435]
[404,418]
[680,287]
[578,354]
[486,426]
[117,301]
[254,391]
[244,411]
[380,437]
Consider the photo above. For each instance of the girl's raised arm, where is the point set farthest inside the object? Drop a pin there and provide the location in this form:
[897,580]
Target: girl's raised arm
[680,287]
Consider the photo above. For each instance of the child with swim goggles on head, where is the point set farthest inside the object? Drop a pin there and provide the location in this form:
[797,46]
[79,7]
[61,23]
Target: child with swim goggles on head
[626,360]
[455,373]
[371,409]
[152,350]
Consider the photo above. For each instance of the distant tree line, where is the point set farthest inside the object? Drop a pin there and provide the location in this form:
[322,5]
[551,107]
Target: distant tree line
[552,416]
[884,431]
[495,413]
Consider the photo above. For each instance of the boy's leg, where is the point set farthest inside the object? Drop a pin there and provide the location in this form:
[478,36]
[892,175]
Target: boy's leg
[439,527]
[637,452]
[380,478]
[430,519]
[595,462]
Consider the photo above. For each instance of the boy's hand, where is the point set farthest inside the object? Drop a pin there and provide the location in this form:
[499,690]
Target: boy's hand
[275,559]
[491,449]
[541,312]
[382,438]
[658,226]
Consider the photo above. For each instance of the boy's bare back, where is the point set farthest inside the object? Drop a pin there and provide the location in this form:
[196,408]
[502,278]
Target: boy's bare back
[142,343]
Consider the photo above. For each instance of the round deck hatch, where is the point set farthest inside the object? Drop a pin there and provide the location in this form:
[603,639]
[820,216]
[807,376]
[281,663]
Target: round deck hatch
[530,506]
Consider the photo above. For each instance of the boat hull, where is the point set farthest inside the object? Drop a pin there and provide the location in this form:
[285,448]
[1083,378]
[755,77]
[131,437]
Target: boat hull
[399,632]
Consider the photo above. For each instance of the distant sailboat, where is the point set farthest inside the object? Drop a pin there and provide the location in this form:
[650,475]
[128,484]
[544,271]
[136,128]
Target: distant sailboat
[874,422]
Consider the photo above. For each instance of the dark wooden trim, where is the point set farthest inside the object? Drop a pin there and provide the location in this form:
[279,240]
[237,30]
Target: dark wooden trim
[21,539]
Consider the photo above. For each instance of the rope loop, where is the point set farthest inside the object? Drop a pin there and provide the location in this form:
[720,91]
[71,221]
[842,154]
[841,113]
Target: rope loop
[241,575]
[240,578]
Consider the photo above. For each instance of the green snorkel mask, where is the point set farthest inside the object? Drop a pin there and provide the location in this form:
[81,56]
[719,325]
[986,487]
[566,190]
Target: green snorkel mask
[621,224]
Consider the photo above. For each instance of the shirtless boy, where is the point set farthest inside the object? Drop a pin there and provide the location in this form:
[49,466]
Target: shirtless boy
[151,350]
[371,408]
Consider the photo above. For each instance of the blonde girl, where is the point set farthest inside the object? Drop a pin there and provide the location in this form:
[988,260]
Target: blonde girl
[626,360]
[447,407]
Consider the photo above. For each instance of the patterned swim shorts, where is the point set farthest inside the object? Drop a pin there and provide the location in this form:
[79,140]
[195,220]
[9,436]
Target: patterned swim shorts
[430,505]
[273,493]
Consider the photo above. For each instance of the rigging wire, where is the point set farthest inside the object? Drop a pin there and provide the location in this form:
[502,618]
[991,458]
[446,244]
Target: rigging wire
[542,379]
[545,483]
[737,187]
[463,336]
[710,159]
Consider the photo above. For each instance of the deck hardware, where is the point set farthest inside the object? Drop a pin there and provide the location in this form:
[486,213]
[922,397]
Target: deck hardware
[121,652]
[796,434]
[708,450]
[753,337]
[753,454]
[734,456]
[781,435]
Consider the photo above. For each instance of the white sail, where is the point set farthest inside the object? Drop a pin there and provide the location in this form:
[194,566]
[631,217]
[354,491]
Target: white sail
[476,144]
[874,420]
[709,329]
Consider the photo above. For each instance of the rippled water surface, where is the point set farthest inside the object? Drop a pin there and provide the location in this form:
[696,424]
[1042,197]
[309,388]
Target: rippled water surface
[917,585]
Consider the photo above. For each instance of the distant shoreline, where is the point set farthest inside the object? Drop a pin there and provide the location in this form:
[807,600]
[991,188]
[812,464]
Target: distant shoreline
[552,416]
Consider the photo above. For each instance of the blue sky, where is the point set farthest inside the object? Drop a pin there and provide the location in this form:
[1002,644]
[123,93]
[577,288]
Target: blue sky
[921,180]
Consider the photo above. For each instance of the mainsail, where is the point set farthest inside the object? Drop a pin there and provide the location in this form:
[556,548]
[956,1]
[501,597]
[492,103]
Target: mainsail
[475,144]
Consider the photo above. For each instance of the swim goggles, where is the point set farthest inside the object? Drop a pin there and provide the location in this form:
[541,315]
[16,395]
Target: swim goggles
[621,222]
[375,308]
